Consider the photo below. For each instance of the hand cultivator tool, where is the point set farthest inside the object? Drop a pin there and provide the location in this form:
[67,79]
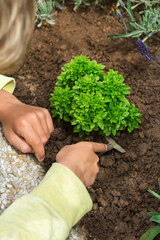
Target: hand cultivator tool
[112,145]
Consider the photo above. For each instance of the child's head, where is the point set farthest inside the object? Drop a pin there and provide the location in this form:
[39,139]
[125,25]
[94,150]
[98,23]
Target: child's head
[16,27]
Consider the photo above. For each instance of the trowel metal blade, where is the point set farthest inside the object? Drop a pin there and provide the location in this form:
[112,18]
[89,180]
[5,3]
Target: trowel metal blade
[115,145]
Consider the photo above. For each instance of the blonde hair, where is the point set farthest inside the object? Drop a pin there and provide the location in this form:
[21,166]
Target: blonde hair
[16,27]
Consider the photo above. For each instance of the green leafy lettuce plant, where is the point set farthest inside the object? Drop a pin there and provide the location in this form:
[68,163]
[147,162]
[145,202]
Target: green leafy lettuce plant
[155,217]
[92,100]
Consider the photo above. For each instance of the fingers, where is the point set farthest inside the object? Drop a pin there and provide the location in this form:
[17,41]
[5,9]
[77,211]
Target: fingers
[40,126]
[89,180]
[18,142]
[43,123]
[32,127]
[82,160]
[95,158]
[36,129]
[33,139]
[92,172]
[49,121]
[46,120]
[98,147]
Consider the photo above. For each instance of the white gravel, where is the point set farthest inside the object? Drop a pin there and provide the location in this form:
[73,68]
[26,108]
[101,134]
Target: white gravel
[20,174]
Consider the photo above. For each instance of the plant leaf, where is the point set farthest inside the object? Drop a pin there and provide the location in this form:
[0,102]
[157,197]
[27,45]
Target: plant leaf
[151,233]
[155,218]
[129,7]
[155,194]
[153,213]
[136,33]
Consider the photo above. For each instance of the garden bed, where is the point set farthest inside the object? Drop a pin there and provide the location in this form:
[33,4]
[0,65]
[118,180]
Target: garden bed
[120,196]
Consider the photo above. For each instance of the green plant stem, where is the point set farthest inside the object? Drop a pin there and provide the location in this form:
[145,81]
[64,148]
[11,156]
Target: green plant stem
[155,63]
[124,25]
[132,18]
[159,67]
[149,35]
[142,28]
[155,37]
[129,7]
[136,5]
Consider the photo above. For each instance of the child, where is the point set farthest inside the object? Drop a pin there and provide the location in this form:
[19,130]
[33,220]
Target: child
[27,128]
[61,199]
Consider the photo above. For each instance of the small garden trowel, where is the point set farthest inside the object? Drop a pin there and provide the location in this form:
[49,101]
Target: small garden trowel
[112,144]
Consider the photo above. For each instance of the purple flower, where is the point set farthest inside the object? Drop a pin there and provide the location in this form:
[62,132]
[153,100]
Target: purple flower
[157,58]
[121,3]
[119,14]
[148,58]
[142,48]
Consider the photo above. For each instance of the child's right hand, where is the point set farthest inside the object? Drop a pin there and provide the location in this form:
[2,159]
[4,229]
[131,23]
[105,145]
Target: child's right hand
[28,128]
[81,159]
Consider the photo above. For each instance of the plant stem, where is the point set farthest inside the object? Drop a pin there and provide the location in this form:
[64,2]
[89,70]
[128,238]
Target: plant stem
[136,6]
[132,18]
[142,28]
[124,25]
[157,38]
[155,63]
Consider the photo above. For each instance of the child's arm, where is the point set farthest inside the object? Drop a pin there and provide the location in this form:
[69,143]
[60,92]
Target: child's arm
[49,211]
[60,200]
[26,127]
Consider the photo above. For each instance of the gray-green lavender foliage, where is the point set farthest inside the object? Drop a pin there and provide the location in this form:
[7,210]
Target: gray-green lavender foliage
[45,10]
[148,3]
[148,25]
[77,3]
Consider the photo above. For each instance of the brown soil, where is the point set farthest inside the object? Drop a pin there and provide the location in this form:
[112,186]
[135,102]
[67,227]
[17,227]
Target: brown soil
[120,196]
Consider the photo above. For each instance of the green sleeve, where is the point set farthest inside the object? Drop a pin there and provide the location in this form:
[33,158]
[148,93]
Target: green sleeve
[7,83]
[50,210]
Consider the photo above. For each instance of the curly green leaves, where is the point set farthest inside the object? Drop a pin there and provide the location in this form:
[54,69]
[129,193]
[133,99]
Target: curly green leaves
[92,100]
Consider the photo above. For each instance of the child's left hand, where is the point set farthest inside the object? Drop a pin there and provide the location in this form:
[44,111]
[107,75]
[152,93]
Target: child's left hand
[28,128]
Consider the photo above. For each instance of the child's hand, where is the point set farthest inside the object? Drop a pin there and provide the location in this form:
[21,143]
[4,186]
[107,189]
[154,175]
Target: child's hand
[26,127]
[82,160]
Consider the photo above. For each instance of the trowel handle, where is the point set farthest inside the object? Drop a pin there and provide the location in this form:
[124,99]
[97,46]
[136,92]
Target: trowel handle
[109,147]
